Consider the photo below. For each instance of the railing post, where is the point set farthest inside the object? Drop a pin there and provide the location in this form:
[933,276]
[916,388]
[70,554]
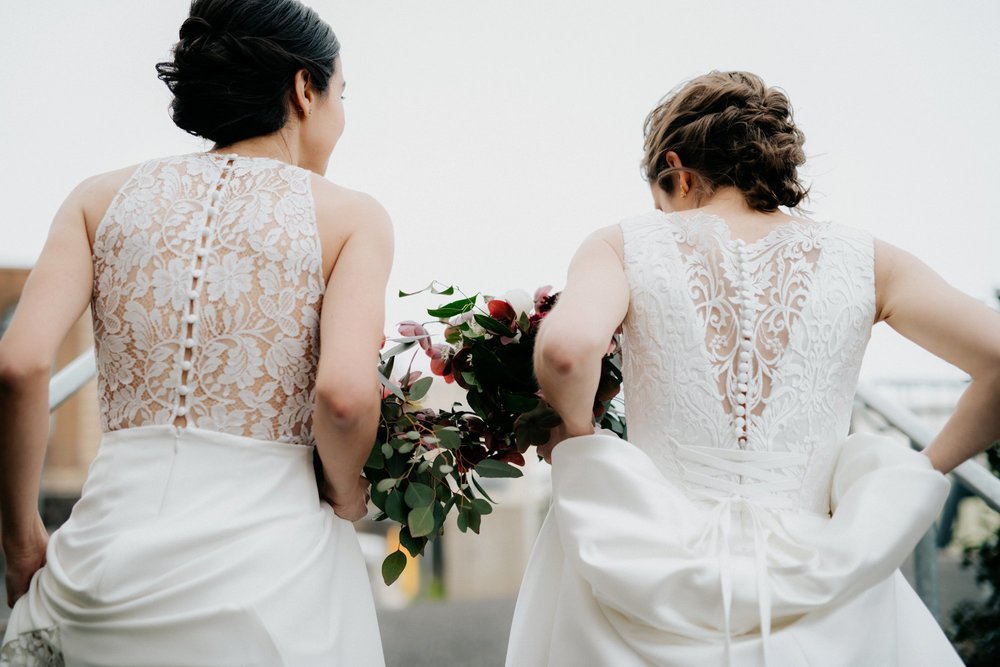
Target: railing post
[925,568]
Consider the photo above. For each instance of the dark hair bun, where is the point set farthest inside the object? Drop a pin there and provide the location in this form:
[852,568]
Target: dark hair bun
[234,66]
[729,129]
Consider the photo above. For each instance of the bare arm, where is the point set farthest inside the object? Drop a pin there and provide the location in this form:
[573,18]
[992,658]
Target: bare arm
[920,305]
[574,337]
[54,297]
[348,395]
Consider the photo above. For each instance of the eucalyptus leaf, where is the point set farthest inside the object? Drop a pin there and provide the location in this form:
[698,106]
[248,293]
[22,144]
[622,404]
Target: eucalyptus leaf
[393,566]
[420,388]
[394,507]
[420,521]
[494,468]
[419,495]
[448,439]
[386,484]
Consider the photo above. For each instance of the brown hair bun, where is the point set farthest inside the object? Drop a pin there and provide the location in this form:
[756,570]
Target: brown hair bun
[729,129]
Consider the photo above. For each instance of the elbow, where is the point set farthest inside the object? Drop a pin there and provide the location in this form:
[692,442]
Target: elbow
[19,372]
[564,356]
[344,404]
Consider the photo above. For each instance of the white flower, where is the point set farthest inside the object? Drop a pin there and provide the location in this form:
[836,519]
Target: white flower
[520,301]
[230,278]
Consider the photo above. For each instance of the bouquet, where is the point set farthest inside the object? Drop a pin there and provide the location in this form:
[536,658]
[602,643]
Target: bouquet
[426,463]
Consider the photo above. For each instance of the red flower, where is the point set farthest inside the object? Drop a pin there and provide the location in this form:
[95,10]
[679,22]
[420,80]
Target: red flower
[502,311]
[441,361]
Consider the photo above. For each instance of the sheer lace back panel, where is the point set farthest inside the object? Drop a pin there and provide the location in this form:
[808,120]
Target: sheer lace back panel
[741,359]
[208,282]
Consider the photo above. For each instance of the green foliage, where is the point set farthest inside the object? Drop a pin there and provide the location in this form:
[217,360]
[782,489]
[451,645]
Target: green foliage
[977,623]
[425,464]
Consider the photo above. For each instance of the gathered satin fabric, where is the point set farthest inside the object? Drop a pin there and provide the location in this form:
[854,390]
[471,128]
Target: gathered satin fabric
[192,547]
[631,570]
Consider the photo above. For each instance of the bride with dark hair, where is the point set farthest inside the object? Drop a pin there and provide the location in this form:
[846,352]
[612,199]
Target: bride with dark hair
[740,525]
[202,536]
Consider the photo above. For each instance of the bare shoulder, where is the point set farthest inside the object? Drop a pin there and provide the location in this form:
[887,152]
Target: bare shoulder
[346,209]
[93,195]
[607,237]
[342,214]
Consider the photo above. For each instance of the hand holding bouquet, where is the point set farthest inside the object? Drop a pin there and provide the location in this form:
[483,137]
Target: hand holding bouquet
[426,462]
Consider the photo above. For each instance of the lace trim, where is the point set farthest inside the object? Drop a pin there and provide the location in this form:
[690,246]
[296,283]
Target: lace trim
[37,648]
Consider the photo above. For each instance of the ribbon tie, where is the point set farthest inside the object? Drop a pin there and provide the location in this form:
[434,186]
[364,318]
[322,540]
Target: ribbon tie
[756,493]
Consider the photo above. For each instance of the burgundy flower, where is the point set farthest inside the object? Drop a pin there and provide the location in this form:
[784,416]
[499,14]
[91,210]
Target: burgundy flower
[541,294]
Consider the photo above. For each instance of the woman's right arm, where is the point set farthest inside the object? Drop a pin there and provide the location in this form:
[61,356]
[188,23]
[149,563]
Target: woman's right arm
[919,304]
[348,393]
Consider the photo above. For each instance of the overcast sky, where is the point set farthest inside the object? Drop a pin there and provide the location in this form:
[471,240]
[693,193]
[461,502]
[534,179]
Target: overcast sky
[498,134]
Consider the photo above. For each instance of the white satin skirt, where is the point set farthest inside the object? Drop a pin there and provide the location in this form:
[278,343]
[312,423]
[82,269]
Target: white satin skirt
[190,547]
[630,571]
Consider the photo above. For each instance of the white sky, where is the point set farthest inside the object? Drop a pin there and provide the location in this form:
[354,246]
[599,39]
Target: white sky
[498,134]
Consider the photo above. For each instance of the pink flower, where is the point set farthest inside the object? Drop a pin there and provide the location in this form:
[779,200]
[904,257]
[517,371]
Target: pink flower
[409,328]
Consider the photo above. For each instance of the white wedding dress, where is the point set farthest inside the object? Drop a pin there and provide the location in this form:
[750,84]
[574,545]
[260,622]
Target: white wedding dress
[740,525]
[200,537]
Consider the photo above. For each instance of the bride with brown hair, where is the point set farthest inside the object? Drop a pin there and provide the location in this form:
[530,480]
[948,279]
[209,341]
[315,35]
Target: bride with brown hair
[202,537]
[740,525]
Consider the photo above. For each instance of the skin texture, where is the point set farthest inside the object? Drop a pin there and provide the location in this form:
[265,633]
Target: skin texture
[910,297]
[357,247]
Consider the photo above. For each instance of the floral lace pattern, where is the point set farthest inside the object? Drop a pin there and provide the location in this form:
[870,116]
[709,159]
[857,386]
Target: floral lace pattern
[208,283]
[800,301]
[38,648]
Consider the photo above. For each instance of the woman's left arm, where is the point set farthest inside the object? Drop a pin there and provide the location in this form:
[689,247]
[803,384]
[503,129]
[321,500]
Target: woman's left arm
[54,297]
[919,304]
[575,336]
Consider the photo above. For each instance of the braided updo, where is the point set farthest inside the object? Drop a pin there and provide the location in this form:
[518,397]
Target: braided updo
[234,67]
[729,129]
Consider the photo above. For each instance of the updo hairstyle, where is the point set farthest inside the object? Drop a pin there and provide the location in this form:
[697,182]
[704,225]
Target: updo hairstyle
[233,69]
[729,129]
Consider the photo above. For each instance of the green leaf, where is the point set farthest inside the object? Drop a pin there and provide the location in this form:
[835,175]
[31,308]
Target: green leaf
[494,468]
[398,349]
[432,288]
[420,388]
[492,325]
[393,566]
[415,545]
[394,507]
[386,484]
[386,451]
[448,438]
[406,447]
[462,521]
[481,489]
[519,402]
[420,521]
[482,506]
[391,386]
[454,308]
[419,495]
[376,459]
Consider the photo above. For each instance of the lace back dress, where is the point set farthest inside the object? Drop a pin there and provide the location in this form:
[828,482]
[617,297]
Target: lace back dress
[740,525]
[200,537]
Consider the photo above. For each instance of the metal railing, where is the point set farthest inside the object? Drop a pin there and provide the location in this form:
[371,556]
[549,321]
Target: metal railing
[971,474]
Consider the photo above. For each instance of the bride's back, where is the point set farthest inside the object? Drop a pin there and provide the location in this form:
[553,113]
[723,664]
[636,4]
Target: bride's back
[741,359]
[208,282]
